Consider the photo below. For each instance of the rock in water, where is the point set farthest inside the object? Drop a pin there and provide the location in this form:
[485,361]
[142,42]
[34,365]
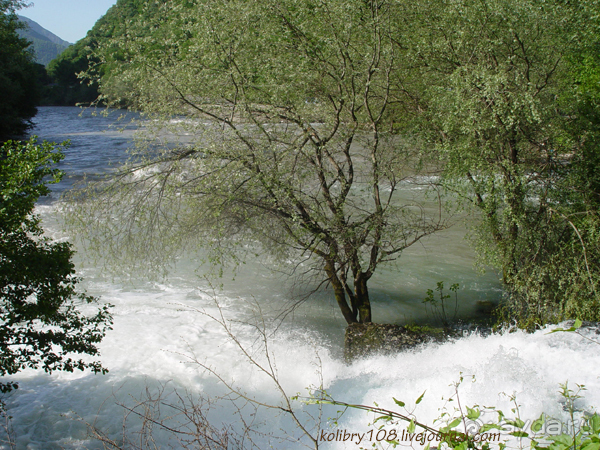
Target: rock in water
[371,338]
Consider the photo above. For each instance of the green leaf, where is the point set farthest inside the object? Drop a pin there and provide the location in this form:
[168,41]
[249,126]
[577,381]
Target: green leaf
[473,413]
[386,418]
[563,439]
[516,422]
[575,327]
[591,446]
[521,434]
[420,398]
[594,422]
[461,446]
[490,426]
[411,427]
[538,424]
[399,403]
[454,423]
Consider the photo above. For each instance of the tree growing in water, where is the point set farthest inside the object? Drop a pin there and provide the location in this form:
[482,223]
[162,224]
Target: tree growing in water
[291,151]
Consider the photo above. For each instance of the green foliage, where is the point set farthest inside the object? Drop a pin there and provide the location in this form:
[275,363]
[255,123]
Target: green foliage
[67,88]
[576,325]
[479,427]
[46,51]
[502,93]
[499,101]
[440,308]
[69,85]
[18,88]
[289,109]
[41,324]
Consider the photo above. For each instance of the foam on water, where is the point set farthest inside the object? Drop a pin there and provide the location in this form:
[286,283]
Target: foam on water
[159,330]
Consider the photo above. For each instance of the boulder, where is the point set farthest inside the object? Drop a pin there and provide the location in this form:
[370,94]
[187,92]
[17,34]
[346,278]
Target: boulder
[375,338]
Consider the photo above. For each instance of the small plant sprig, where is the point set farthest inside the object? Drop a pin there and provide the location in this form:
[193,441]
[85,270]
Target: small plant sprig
[574,329]
[440,307]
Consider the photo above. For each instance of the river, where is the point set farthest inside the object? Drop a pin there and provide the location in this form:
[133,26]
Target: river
[165,332]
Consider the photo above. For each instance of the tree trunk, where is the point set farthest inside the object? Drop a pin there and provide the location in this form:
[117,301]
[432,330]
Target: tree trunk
[340,293]
[362,298]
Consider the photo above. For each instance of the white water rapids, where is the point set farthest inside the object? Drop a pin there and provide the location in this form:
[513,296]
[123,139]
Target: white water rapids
[163,333]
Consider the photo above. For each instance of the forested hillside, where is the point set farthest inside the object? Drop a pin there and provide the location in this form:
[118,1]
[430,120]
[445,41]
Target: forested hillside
[46,45]
[69,88]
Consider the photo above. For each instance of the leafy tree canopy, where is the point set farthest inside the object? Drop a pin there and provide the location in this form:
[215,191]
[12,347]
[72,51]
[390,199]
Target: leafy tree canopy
[18,88]
[292,153]
[41,321]
[68,87]
[307,95]
[510,89]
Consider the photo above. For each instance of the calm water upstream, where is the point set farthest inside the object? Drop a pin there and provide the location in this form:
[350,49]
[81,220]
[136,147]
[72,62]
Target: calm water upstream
[163,333]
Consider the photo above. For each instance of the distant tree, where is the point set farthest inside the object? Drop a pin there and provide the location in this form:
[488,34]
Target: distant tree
[18,88]
[41,324]
[291,153]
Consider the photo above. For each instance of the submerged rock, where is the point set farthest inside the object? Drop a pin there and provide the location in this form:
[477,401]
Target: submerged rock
[375,338]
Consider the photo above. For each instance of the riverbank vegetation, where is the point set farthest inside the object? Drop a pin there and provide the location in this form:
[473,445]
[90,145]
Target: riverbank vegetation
[41,320]
[306,121]
[19,92]
[60,82]
[296,107]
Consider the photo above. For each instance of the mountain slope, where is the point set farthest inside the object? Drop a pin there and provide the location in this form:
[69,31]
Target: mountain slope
[46,45]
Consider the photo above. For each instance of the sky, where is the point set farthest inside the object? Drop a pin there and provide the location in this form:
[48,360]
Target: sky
[68,19]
